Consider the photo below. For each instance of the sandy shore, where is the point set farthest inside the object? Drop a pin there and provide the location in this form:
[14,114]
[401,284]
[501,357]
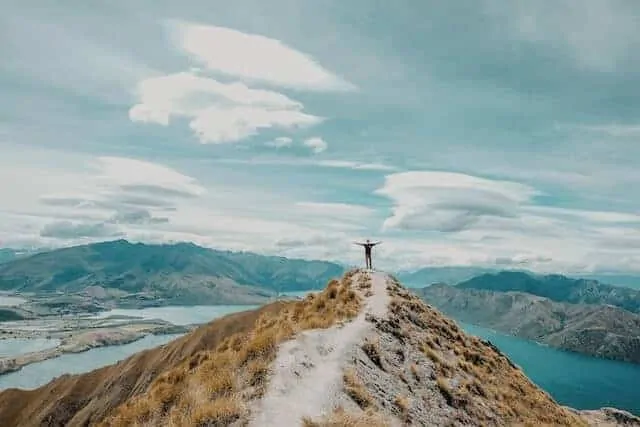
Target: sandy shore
[83,338]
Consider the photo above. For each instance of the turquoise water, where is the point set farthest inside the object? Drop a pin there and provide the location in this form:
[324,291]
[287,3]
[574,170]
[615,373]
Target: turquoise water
[572,379]
[180,315]
[17,346]
[37,374]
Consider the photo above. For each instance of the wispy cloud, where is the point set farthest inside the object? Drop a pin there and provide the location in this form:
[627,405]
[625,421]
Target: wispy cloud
[297,161]
[316,144]
[598,35]
[280,142]
[347,164]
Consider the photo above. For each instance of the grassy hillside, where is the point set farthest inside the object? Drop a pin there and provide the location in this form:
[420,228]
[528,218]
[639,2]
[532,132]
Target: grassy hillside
[183,271]
[181,374]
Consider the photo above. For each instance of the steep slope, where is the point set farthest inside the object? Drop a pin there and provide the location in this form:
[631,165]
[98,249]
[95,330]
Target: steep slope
[184,272]
[84,399]
[597,330]
[364,352]
[558,288]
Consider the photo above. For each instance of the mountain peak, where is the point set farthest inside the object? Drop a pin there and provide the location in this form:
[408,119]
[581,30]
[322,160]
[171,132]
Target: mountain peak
[364,350]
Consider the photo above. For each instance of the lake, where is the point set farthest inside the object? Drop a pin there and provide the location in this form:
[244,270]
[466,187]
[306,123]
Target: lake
[572,379]
[37,374]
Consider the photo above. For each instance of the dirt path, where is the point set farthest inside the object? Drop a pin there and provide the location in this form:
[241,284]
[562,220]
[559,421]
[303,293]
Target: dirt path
[308,369]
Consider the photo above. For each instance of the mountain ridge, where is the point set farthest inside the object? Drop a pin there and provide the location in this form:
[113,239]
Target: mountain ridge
[558,288]
[409,365]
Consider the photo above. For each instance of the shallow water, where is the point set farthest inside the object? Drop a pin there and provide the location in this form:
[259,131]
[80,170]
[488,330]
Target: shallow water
[37,374]
[572,379]
[18,346]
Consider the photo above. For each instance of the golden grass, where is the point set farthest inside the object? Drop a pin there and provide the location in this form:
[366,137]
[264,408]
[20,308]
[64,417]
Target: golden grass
[356,390]
[403,404]
[214,387]
[371,348]
[340,418]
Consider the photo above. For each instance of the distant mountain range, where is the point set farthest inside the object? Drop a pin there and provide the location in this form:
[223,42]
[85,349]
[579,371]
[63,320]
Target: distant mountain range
[594,329]
[8,254]
[181,273]
[558,288]
[457,274]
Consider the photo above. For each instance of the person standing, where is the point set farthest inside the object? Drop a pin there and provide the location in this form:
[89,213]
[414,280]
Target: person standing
[368,245]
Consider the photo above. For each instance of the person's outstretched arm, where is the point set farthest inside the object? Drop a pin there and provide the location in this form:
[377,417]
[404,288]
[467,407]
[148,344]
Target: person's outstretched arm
[377,243]
[356,243]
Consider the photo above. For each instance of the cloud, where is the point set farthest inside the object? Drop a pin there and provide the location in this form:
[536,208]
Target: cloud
[614,130]
[146,176]
[598,35]
[70,230]
[449,202]
[280,142]
[296,161]
[253,57]
[347,164]
[316,144]
[136,217]
[121,191]
[218,112]
[218,125]
[336,209]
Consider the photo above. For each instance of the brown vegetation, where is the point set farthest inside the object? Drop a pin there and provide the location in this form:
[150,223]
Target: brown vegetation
[214,386]
[356,390]
[73,400]
[341,418]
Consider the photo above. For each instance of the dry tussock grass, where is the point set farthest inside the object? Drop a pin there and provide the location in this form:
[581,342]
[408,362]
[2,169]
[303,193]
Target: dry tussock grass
[356,390]
[213,387]
[371,348]
[470,373]
[340,418]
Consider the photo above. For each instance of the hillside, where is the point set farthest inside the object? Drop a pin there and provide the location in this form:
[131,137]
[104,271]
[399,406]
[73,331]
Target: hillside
[180,273]
[558,288]
[449,275]
[363,352]
[596,330]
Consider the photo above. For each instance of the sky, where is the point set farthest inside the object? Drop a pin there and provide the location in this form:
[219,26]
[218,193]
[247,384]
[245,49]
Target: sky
[458,133]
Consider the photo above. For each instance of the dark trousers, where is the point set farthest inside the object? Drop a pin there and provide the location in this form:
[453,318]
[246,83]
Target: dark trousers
[367,260]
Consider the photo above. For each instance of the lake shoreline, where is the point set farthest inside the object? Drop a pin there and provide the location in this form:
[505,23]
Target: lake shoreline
[85,339]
